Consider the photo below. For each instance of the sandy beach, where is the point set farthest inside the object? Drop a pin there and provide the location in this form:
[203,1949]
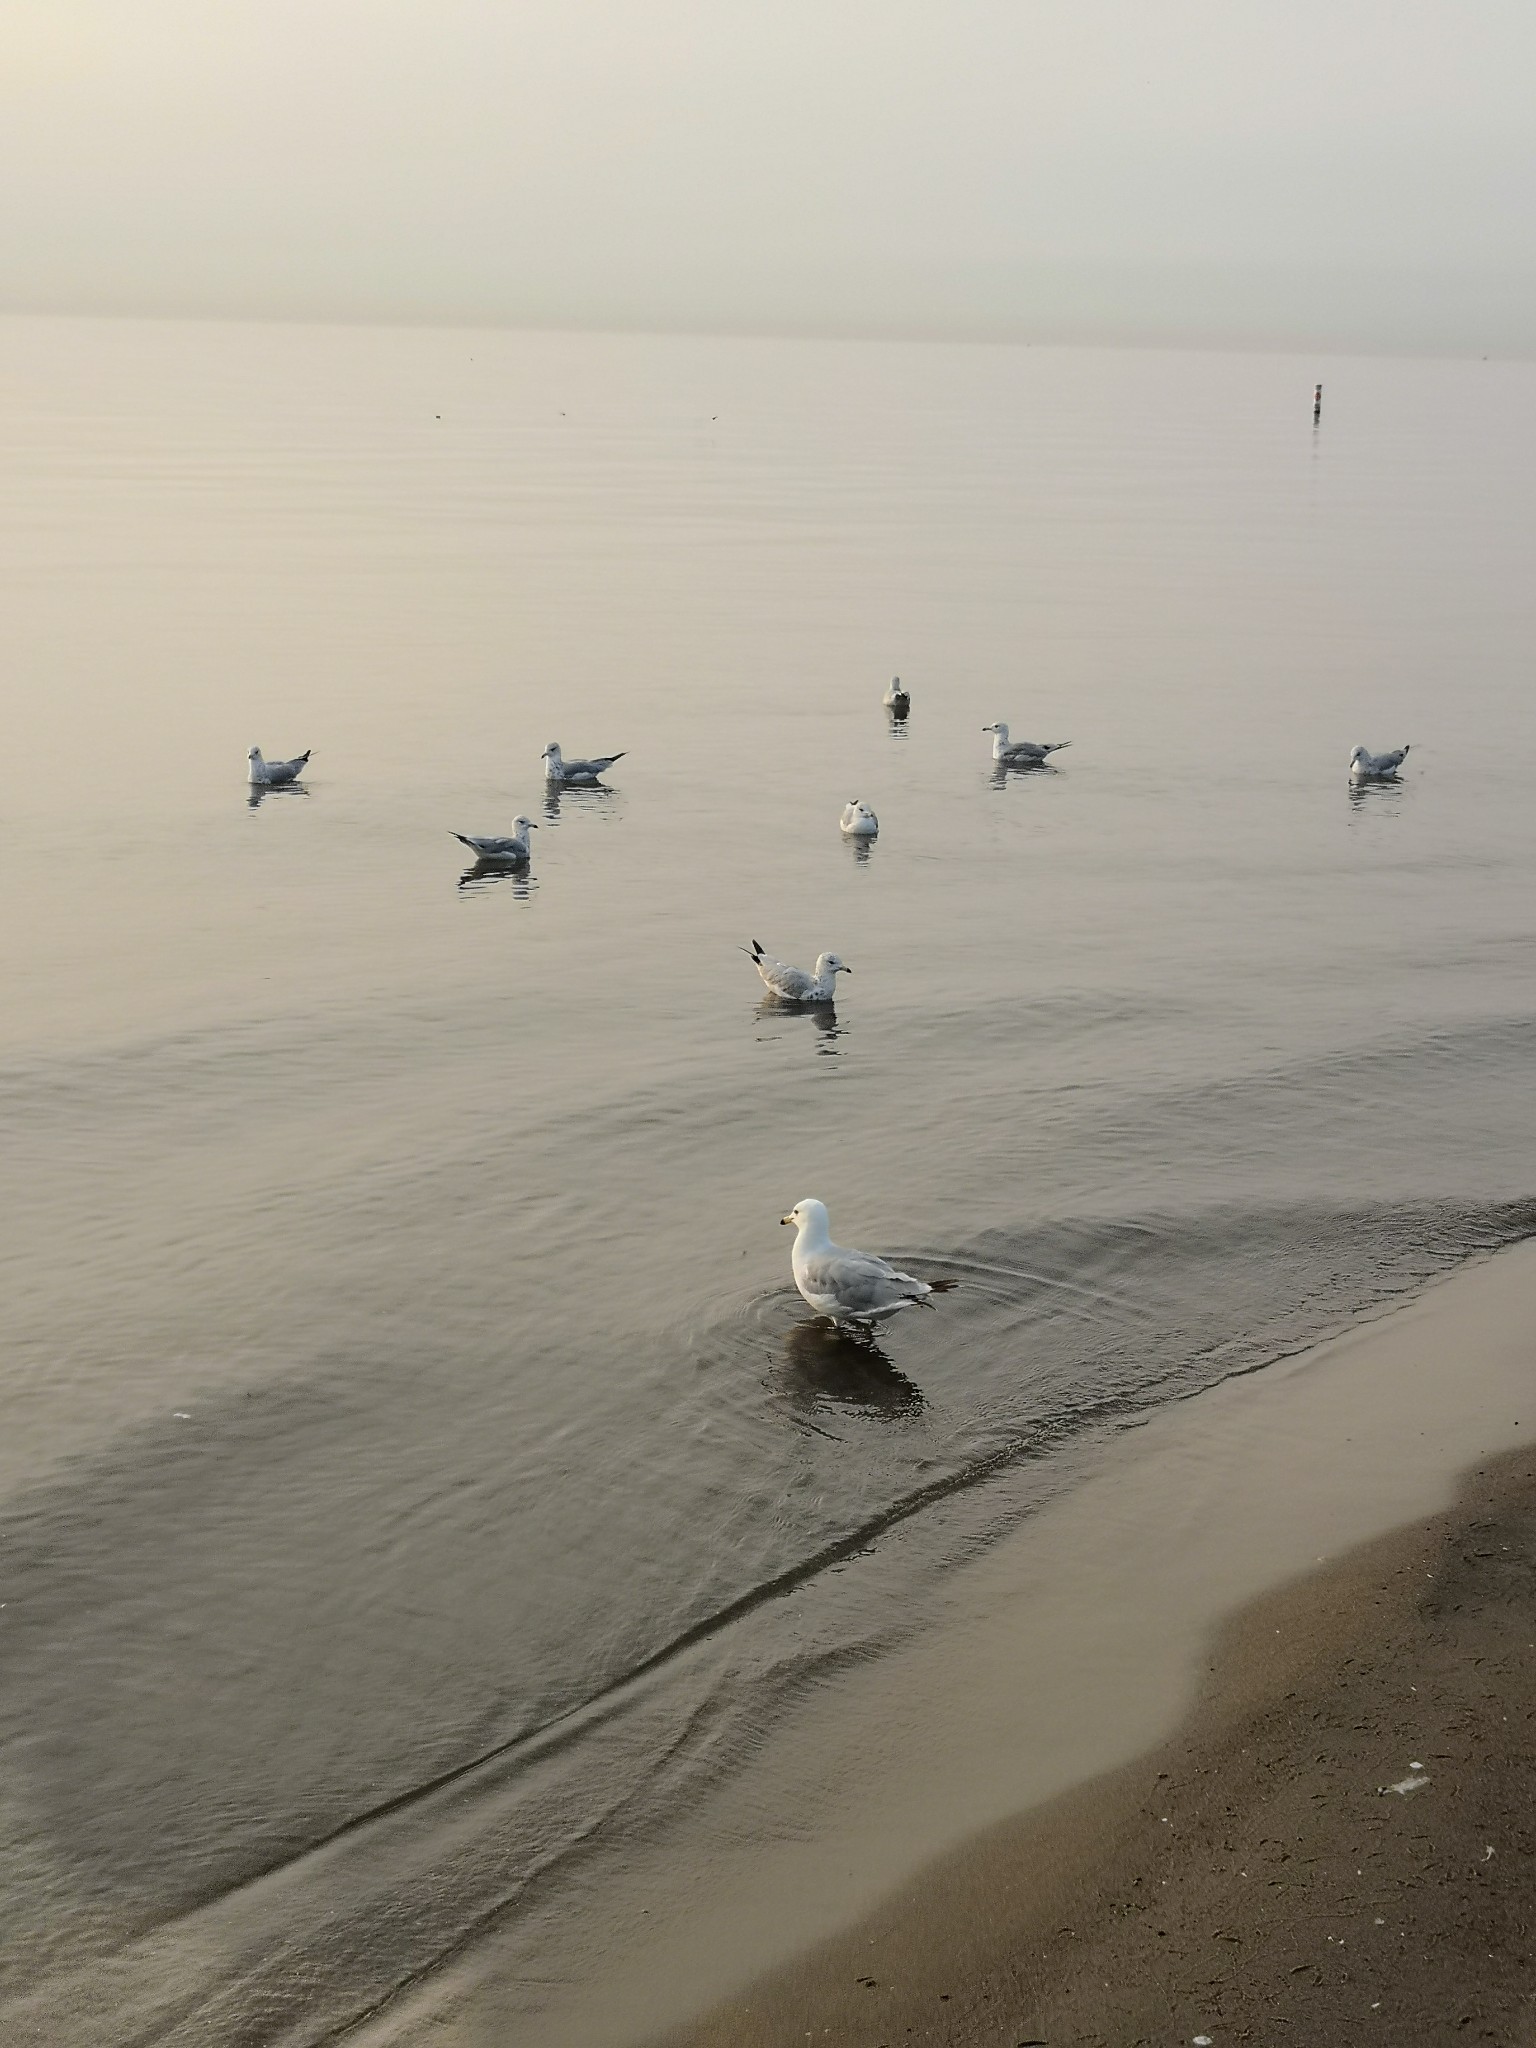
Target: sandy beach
[1335,1846]
[1135,1780]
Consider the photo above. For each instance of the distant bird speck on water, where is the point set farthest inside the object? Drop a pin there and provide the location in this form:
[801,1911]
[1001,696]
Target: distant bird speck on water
[1364,767]
[897,700]
[1021,753]
[511,851]
[858,820]
[793,984]
[273,774]
[575,774]
[849,1286]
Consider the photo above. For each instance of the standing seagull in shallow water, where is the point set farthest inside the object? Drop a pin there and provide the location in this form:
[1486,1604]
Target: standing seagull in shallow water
[896,700]
[511,852]
[858,820]
[793,984]
[273,774]
[848,1286]
[1021,753]
[574,774]
[1364,767]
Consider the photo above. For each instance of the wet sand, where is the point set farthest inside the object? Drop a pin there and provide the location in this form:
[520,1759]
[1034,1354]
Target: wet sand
[1242,1594]
[1335,1846]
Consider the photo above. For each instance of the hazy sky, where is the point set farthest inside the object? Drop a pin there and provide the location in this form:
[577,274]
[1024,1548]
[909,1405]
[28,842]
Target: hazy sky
[1351,170]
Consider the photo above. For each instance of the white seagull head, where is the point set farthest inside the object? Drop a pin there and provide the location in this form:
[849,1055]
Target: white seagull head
[808,1214]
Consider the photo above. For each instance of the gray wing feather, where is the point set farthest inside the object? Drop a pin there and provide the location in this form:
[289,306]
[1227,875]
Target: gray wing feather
[495,849]
[860,1282]
[792,983]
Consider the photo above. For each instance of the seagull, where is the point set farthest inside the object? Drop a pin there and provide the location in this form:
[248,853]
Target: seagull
[583,774]
[1364,767]
[511,853]
[896,700]
[793,984]
[273,774]
[858,820]
[848,1286]
[1021,753]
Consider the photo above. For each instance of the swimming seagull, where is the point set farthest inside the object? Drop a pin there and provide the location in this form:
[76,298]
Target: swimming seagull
[578,774]
[273,774]
[511,852]
[848,1286]
[858,820]
[1364,767]
[896,700]
[793,984]
[1021,753]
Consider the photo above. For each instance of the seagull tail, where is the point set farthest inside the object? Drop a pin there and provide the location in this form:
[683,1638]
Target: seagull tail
[932,1287]
[754,952]
[1056,746]
[462,840]
[303,758]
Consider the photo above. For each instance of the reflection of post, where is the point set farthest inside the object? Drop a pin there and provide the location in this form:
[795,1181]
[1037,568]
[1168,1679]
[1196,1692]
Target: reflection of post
[1317,405]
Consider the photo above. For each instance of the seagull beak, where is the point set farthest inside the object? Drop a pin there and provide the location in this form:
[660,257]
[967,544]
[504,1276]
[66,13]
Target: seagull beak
[786,1219]
[845,970]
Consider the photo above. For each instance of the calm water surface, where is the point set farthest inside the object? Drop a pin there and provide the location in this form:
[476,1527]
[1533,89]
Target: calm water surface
[419,1478]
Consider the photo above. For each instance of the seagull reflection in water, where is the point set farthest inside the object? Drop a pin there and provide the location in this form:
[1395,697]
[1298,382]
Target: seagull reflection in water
[827,1365]
[1381,794]
[1004,772]
[258,792]
[487,874]
[823,1018]
[584,795]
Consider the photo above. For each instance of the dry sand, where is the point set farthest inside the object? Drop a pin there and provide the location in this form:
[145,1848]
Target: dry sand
[1335,1847]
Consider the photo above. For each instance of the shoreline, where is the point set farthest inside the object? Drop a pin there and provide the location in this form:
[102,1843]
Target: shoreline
[1059,1657]
[1336,1839]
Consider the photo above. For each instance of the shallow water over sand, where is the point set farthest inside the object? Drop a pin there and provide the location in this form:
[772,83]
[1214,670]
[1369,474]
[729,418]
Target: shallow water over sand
[418,1476]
